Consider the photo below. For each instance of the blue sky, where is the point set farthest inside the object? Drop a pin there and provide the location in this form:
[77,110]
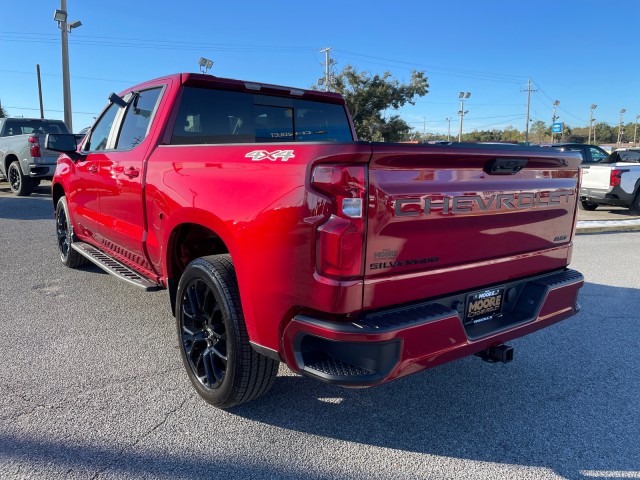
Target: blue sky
[570,49]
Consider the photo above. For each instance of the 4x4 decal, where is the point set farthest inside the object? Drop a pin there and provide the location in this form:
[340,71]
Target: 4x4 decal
[258,155]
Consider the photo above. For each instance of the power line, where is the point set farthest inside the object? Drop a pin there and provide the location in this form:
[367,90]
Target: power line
[560,108]
[79,76]
[486,75]
[49,110]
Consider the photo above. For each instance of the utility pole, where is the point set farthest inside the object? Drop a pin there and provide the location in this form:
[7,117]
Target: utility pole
[554,117]
[327,65]
[462,96]
[448,119]
[595,126]
[40,91]
[528,90]
[620,130]
[635,131]
[593,107]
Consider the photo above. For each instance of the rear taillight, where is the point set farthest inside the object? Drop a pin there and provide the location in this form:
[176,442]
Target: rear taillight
[34,150]
[614,181]
[340,240]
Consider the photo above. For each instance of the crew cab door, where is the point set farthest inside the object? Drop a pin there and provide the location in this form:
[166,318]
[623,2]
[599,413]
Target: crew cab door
[120,176]
[83,194]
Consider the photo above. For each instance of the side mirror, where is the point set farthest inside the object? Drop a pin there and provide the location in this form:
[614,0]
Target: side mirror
[61,142]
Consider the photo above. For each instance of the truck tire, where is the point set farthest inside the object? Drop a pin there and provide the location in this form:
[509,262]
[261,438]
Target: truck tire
[64,231]
[634,207]
[590,206]
[20,184]
[221,364]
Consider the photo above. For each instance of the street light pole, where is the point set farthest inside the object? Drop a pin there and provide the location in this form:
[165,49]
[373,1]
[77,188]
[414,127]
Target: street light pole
[66,82]
[635,131]
[60,16]
[448,129]
[593,107]
[620,126]
[462,96]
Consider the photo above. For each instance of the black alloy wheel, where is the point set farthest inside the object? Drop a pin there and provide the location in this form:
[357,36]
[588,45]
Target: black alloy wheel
[19,184]
[222,365]
[64,234]
[204,335]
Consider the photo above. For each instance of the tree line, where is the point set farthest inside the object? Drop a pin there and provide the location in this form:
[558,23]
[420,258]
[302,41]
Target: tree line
[540,132]
[370,96]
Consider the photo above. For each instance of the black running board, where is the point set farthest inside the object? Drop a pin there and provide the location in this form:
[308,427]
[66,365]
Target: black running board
[113,267]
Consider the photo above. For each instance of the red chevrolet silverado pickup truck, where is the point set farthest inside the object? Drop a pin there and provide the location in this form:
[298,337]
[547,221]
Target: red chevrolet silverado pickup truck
[281,238]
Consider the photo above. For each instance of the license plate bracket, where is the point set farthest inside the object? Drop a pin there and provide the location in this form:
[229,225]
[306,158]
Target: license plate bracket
[483,305]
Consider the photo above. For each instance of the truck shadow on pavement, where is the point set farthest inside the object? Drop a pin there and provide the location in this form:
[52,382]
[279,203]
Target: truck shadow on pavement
[568,402]
[37,206]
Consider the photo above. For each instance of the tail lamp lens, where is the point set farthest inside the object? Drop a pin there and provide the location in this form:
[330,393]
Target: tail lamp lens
[340,240]
[615,178]
[34,150]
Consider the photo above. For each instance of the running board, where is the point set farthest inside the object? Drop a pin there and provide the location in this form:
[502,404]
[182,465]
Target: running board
[112,266]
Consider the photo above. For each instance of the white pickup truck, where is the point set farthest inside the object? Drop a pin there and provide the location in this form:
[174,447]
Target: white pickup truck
[23,159]
[614,180]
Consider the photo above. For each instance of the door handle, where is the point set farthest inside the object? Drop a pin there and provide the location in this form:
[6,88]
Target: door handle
[132,172]
[93,168]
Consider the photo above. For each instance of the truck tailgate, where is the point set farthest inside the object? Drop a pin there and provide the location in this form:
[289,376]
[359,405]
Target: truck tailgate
[596,176]
[447,219]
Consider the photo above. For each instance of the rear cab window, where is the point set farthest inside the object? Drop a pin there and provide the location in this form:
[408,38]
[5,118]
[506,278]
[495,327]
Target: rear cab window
[628,156]
[210,116]
[32,127]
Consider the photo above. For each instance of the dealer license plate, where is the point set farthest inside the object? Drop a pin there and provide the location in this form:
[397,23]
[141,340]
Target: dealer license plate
[482,306]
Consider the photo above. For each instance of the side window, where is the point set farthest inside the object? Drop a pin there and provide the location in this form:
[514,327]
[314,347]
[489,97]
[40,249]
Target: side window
[137,119]
[100,132]
[597,154]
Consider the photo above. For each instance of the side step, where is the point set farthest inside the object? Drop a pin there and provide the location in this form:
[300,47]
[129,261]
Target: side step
[112,266]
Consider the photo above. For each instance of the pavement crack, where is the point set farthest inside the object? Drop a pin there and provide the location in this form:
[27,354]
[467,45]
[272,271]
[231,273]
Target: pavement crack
[141,437]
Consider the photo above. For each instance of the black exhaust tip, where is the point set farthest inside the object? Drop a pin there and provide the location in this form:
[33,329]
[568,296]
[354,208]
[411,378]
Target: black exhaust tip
[499,353]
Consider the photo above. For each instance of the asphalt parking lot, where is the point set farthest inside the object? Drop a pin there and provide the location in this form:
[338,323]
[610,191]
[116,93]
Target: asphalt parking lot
[92,387]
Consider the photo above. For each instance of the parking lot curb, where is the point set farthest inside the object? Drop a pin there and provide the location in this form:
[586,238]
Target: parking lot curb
[610,226]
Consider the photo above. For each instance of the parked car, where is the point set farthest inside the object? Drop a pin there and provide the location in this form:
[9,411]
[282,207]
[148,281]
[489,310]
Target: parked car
[614,180]
[590,153]
[81,134]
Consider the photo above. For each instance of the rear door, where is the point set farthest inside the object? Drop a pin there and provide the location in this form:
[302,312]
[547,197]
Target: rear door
[449,218]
